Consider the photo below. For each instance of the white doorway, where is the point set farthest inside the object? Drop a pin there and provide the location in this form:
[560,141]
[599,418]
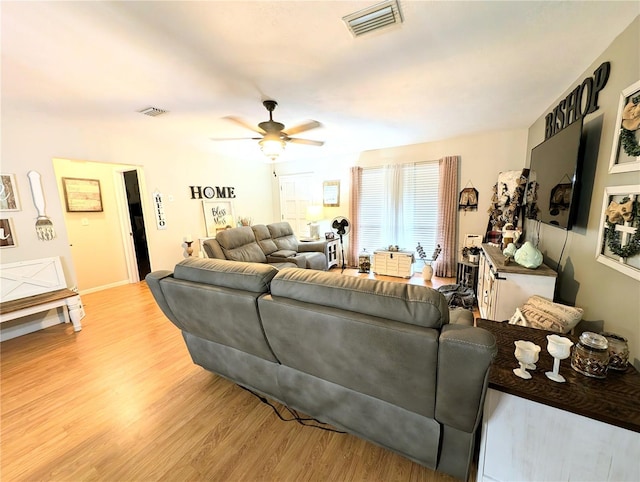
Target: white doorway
[100,242]
[297,192]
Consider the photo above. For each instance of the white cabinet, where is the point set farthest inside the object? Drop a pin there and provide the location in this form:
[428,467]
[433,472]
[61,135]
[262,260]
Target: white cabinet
[393,263]
[331,252]
[525,440]
[502,288]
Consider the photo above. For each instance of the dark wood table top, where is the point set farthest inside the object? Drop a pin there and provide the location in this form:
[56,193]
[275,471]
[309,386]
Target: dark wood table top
[614,399]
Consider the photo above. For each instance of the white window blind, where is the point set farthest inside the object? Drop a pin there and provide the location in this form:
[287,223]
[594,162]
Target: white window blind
[415,207]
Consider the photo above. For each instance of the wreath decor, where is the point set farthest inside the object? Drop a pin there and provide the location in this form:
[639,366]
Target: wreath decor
[629,142]
[612,237]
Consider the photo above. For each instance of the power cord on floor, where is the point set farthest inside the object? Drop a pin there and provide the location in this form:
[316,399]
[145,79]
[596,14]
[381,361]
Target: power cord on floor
[293,413]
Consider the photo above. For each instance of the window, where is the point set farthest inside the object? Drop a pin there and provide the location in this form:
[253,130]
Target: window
[399,206]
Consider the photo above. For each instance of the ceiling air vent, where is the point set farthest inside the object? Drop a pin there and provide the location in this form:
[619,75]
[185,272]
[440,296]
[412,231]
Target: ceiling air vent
[152,111]
[373,18]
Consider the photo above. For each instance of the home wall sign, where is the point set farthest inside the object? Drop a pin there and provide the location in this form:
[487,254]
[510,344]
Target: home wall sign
[210,192]
[158,207]
[581,101]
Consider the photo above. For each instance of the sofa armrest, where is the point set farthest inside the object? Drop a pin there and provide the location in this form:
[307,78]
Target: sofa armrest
[464,356]
[461,316]
[312,246]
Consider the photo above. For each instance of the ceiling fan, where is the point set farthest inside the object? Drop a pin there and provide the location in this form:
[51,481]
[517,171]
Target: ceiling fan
[274,136]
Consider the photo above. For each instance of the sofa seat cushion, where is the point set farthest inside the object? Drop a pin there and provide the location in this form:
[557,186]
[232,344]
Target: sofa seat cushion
[417,305]
[239,244]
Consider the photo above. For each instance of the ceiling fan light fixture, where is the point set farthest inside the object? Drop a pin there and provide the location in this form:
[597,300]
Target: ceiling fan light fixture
[271,147]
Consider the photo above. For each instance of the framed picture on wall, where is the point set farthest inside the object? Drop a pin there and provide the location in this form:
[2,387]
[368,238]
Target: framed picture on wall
[619,235]
[331,193]
[7,233]
[625,151]
[218,215]
[9,200]
[82,195]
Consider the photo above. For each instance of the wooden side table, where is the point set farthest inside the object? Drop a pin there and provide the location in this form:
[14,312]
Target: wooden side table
[584,429]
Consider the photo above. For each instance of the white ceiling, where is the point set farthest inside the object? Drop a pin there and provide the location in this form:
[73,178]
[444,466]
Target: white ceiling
[450,69]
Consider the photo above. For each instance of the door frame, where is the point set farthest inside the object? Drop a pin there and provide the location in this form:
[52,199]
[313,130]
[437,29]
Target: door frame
[125,222]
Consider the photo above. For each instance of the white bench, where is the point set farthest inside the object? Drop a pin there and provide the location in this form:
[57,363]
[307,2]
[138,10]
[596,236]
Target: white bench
[29,287]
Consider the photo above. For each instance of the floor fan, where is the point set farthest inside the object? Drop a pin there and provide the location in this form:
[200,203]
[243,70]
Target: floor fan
[341,226]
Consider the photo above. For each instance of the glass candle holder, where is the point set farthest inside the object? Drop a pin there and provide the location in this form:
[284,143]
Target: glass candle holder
[590,355]
[618,351]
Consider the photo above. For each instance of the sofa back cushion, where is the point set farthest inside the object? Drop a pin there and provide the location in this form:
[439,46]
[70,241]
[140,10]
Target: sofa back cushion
[417,305]
[263,237]
[338,331]
[212,249]
[239,244]
[253,277]
[217,300]
[282,235]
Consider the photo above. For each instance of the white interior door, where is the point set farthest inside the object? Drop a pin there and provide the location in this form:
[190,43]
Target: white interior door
[296,193]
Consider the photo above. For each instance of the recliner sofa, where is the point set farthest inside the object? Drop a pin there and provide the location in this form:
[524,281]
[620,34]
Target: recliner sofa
[387,362]
[274,244]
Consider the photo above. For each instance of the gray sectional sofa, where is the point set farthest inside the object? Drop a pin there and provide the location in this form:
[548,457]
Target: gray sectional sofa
[273,244]
[387,362]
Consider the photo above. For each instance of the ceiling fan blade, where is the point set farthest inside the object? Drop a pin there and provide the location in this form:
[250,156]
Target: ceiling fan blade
[235,138]
[302,127]
[308,142]
[244,124]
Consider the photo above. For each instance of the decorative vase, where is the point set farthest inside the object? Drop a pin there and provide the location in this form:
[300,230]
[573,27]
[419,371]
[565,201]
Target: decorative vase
[427,272]
[528,256]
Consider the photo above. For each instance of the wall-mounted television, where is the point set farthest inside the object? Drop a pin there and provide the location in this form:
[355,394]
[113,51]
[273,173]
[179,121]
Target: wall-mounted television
[553,189]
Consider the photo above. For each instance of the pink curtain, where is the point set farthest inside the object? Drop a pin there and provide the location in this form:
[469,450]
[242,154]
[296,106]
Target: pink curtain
[446,264]
[354,208]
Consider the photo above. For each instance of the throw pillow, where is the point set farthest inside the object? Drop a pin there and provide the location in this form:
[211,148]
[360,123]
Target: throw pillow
[544,314]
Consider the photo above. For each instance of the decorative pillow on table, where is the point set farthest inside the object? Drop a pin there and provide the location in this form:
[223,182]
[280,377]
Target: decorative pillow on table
[544,314]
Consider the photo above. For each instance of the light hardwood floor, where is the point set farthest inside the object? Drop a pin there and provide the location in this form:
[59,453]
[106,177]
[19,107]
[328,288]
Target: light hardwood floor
[121,400]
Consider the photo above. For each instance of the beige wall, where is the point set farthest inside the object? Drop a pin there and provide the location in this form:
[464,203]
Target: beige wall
[604,293]
[95,238]
[482,156]
[30,141]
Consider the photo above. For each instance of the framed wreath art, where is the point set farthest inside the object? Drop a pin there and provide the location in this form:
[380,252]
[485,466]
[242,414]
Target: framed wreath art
[625,153]
[619,236]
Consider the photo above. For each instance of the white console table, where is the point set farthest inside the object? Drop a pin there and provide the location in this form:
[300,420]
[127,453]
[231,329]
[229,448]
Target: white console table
[538,430]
